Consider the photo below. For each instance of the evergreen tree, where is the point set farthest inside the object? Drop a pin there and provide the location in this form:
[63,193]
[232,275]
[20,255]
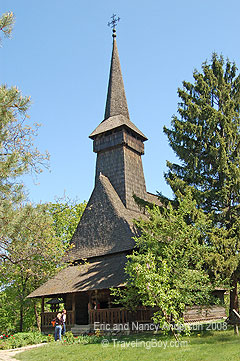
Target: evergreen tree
[6,24]
[206,139]
[18,154]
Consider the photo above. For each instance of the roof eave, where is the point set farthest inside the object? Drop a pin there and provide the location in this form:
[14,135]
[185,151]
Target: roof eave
[134,129]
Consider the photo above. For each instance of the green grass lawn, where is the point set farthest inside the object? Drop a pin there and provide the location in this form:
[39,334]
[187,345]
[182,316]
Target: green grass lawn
[212,346]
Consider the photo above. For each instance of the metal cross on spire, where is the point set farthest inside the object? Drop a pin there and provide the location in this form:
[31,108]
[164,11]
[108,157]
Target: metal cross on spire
[113,23]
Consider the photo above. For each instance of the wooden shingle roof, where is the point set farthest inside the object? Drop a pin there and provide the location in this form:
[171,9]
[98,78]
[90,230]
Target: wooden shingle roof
[106,226]
[115,122]
[116,98]
[105,272]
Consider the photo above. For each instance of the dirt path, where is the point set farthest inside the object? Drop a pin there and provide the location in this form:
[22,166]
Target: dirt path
[8,355]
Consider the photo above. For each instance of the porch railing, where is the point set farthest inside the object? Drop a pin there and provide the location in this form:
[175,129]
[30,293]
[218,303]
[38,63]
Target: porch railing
[47,317]
[198,313]
[118,315]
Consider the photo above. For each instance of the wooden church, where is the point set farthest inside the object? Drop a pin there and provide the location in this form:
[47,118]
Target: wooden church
[104,235]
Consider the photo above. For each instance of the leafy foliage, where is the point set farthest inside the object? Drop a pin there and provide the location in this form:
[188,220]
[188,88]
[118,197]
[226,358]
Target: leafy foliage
[32,247]
[66,216]
[21,339]
[30,254]
[166,271]
[69,339]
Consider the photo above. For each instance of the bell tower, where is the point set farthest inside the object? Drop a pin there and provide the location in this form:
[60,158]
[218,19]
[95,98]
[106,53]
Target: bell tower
[119,144]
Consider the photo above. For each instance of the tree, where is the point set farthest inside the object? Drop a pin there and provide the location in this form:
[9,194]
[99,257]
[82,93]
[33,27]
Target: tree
[25,230]
[206,139]
[166,269]
[32,238]
[18,154]
[31,254]
[66,215]
[6,24]
[31,251]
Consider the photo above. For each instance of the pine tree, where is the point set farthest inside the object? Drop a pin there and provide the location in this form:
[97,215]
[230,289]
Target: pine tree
[25,231]
[206,139]
[6,24]
[18,154]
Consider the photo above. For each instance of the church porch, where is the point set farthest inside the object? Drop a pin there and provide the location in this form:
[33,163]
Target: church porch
[87,311]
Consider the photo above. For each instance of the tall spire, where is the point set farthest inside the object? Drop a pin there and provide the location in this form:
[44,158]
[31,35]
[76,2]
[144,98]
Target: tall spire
[116,103]
[119,144]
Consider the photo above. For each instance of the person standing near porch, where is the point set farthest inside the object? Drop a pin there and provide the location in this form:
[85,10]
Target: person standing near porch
[58,326]
[64,317]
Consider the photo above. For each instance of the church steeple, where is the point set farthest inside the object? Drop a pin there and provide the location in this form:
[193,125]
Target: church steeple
[116,109]
[116,103]
[119,144]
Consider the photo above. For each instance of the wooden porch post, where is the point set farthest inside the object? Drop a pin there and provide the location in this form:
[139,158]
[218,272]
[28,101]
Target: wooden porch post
[42,314]
[74,307]
[90,293]
[89,302]
[43,304]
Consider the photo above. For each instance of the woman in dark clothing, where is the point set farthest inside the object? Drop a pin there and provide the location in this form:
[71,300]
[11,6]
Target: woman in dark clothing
[58,326]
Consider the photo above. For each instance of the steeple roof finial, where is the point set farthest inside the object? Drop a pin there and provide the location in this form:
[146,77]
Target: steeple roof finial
[113,24]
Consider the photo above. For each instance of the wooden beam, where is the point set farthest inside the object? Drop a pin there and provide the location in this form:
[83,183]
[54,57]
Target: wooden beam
[73,301]
[73,307]
[43,304]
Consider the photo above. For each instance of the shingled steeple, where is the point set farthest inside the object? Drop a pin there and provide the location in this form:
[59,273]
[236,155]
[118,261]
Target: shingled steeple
[118,142]
[116,103]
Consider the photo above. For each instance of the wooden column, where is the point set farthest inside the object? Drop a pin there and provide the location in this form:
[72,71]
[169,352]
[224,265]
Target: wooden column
[74,307]
[42,314]
[89,301]
[42,304]
[96,296]
[90,305]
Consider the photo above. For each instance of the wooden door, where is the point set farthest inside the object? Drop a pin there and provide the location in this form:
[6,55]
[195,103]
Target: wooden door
[81,308]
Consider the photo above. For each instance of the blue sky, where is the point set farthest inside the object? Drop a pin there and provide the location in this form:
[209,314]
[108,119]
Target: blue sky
[60,55]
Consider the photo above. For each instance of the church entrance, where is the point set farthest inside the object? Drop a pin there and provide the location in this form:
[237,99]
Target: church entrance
[81,308]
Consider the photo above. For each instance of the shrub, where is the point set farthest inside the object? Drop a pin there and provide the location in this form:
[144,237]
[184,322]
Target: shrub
[82,339]
[21,339]
[69,338]
[50,338]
